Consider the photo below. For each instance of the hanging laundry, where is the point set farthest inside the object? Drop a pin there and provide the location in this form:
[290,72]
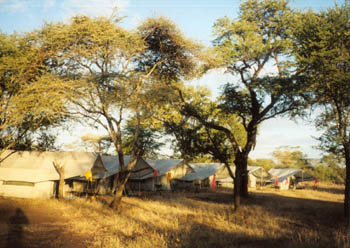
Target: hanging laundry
[168,178]
[88,175]
[213,184]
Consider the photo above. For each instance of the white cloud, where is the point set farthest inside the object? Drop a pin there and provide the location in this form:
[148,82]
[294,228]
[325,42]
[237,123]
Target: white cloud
[281,132]
[93,7]
[13,6]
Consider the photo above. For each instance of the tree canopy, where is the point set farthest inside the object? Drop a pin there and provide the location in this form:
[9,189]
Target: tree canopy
[110,73]
[249,47]
[25,117]
[322,51]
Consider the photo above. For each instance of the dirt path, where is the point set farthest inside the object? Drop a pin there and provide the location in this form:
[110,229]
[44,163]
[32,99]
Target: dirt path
[25,223]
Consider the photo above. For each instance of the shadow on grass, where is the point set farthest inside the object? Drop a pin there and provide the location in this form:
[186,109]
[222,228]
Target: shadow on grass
[189,233]
[16,224]
[192,234]
[308,211]
[199,235]
[303,222]
[329,190]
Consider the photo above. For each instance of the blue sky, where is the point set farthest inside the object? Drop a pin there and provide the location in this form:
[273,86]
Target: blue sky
[195,18]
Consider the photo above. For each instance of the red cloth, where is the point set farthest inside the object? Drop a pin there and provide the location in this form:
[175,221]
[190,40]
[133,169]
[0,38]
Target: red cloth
[276,181]
[155,173]
[214,182]
[168,178]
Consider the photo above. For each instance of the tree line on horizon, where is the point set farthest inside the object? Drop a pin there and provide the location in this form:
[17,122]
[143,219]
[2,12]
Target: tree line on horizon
[136,84]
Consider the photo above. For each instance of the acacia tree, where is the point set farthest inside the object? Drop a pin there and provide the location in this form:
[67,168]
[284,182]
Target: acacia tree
[97,55]
[257,42]
[24,118]
[113,69]
[322,49]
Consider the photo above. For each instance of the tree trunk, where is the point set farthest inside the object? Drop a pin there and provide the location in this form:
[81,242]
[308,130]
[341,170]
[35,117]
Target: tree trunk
[60,170]
[60,188]
[125,171]
[347,185]
[241,162]
[251,141]
[124,176]
[241,178]
[236,189]
[245,179]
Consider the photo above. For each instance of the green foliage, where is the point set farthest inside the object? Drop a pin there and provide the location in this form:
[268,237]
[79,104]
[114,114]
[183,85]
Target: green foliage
[331,168]
[174,55]
[261,31]
[290,157]
[246,47]
[322,51]
[265,163]
[114,73]
[327,174]
[112,77]
[202,159]
[24,114]
[258,40]
[93,60]
[149,140]
[193,139]
[261,36]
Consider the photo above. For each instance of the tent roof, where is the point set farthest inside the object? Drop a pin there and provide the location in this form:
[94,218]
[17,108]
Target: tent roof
[111,163]
[202,171]
[35,166]
[162,166]
[283,173]
[251,169]
[204,166]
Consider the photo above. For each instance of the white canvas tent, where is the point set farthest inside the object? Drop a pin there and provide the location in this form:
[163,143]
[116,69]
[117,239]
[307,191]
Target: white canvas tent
[225,180]
[284,177]
[103,183]
[112,166]
[202,176]
[167,171]
[33,175]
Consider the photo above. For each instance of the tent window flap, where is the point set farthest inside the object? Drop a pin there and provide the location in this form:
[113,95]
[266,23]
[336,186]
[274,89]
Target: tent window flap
[19,183]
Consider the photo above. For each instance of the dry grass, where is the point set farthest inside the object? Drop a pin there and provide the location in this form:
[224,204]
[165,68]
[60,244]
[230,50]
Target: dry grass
[301,218]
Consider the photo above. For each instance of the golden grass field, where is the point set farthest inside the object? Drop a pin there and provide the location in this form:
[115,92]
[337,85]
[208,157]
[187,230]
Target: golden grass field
[269,218]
